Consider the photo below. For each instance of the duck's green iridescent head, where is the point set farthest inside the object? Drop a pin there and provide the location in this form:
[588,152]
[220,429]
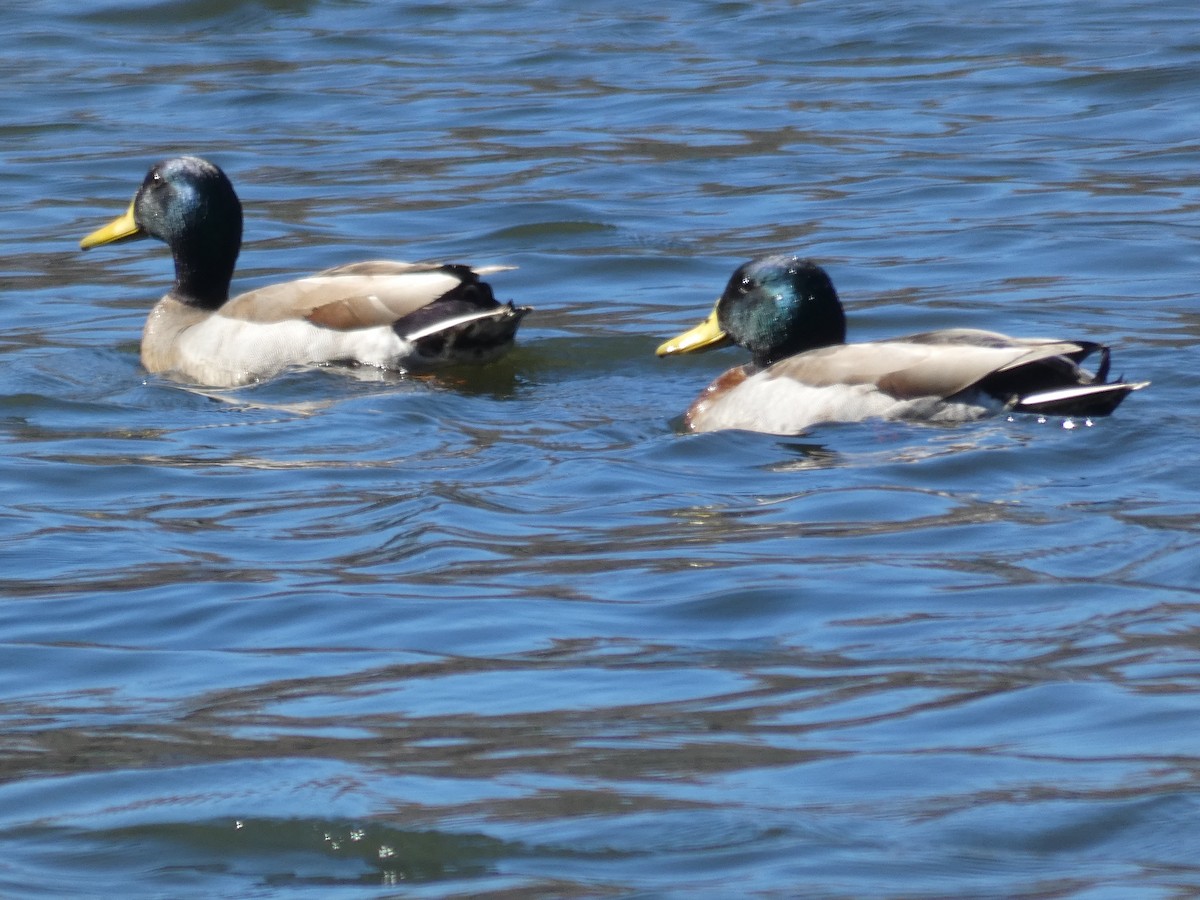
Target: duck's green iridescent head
[775,307]
[188,203]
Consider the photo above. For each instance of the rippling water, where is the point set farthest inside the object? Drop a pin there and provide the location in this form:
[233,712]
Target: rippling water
[507,632]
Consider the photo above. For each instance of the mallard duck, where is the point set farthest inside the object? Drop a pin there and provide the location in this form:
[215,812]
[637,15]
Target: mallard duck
[785,311]
[391,315]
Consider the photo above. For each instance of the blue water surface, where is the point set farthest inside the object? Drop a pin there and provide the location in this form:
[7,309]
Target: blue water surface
[509,632]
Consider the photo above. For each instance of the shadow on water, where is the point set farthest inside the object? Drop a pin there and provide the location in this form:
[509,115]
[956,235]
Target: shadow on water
[283,853]
[165,13]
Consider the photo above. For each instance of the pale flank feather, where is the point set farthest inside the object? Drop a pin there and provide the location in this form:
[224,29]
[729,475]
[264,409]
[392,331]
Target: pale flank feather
[226,352]
[773,405]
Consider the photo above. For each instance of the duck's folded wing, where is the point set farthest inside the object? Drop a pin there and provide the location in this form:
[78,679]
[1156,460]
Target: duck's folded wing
[395,267]
[361,295]
[909,370]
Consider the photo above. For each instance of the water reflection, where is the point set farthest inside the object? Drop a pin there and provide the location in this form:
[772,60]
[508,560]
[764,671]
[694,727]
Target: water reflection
[504,631]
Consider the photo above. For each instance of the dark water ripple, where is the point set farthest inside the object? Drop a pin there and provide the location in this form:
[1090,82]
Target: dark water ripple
[507,632]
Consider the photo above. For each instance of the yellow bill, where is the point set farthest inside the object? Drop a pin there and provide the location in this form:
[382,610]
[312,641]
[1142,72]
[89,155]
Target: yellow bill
[122,228]
[705,336]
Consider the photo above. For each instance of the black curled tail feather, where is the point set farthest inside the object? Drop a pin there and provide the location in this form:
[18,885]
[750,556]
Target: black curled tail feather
[471,295]
[473,338]
[1057,385]
[1101,375]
